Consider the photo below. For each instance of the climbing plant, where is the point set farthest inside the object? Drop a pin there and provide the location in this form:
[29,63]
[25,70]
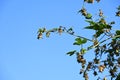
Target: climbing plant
[105,44]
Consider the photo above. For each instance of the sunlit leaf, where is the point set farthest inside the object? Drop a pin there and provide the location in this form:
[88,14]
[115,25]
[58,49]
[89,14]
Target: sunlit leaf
[83,51]
[84,41]
[91,22]
[79,41]
[88,16]
[94,27]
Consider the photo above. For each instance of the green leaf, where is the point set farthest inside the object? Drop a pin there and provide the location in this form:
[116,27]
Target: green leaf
[118,7]
[53,30]
[40,31]
[118,32]
[88,16]
[91,22]
[108,26]
[71,53]
[118,77]
[97,26]
[83,51]
[94,27]
[76,43]
[89,27]
[70,29]
[99,32]
[47,34]
[79,41]
[84,41]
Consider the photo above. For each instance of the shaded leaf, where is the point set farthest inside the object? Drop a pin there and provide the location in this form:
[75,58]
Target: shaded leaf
[118,7]
[70,29]
[118,77]
[118,13]
[98,33]
[108,26]
[71,53]
[89,27]
[118,32]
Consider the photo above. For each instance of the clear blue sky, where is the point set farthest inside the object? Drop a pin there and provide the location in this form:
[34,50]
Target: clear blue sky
[23,57]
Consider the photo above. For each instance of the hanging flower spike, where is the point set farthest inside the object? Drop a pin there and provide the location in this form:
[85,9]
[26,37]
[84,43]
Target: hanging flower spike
[89,1]
[83,11]
[60,30]
[98,1]
[118,13]
[39,36]
[101,68]
[40,32]
[100,13]
[104,78]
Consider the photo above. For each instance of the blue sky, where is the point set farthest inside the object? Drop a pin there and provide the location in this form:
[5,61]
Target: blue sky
[23,57]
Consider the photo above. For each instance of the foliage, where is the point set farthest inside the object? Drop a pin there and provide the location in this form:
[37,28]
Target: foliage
[118,77]
[105,43]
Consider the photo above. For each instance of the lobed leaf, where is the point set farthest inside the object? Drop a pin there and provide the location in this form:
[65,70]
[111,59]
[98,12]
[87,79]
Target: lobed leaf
[79,41]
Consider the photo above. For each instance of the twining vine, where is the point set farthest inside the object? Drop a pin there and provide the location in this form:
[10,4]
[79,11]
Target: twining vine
[105,43]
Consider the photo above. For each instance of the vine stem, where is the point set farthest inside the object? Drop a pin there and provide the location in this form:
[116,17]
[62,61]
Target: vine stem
[83,37]
[78,36]
[93,46]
